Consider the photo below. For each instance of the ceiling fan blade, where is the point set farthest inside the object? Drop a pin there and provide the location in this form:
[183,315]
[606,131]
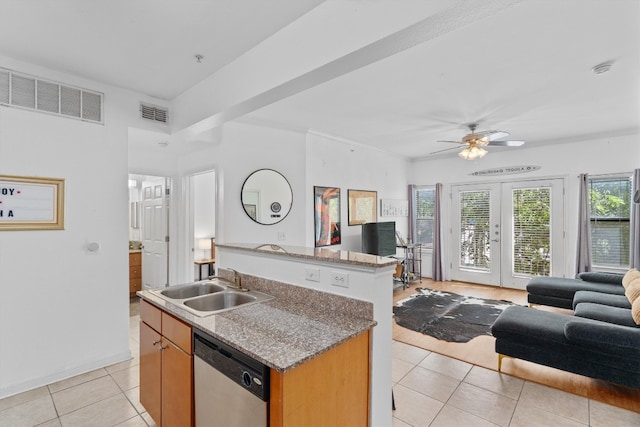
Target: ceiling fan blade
[506,143]
[455,142]
[493,134]
[446,149]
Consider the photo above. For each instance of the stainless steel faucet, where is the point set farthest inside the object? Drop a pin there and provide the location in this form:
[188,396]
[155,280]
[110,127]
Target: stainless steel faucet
[237,281]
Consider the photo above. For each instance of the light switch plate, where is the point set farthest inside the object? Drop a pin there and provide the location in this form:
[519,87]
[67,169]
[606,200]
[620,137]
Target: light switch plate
[312,274]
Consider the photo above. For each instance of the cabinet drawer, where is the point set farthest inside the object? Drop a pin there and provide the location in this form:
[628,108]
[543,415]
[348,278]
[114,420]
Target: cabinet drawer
[135,259]
[151,315]
[135,285]
[135,272]
[177,331]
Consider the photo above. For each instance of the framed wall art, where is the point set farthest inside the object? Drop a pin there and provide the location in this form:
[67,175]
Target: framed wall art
[389,207]
[326,211]
[29,203]
[363,206]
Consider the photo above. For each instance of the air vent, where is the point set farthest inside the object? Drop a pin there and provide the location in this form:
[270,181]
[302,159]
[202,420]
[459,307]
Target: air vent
[151,112]
[33,93]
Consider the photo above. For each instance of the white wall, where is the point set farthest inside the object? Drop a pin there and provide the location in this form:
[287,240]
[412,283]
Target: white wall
[336,163]
[64,310]
[566,161]
[245,149]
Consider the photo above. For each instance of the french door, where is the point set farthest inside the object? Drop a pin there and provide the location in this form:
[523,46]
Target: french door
[506,233]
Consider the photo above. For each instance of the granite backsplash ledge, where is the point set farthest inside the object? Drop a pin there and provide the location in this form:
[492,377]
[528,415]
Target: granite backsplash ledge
[315,299]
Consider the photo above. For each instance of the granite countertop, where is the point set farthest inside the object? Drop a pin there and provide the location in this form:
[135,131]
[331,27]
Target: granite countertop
[280,333]
[318,254]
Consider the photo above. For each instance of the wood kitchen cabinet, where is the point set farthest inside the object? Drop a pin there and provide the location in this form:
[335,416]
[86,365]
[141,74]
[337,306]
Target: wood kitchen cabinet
[329,390]
[135,272]
[166,367]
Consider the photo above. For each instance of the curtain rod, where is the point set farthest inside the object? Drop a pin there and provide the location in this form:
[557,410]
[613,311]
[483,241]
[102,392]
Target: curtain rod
[608,174]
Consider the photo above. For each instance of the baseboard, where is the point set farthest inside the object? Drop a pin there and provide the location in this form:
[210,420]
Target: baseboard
[63,375]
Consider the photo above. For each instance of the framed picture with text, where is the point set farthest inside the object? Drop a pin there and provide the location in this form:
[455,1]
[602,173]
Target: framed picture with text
[30,203]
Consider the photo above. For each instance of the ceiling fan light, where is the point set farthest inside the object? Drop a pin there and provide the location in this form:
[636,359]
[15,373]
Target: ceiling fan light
[472,152]
[481,142]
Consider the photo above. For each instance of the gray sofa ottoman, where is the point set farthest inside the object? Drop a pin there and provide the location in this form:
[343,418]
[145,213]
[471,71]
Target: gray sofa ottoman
[588,347]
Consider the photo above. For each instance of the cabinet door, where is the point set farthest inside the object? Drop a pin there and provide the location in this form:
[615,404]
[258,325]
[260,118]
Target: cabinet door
[150,371]
[177,386]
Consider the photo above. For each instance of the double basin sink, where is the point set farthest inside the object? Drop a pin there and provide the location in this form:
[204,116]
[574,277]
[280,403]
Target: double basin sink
[209,297]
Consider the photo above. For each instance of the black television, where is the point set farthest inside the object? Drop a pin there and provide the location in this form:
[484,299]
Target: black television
[379,238]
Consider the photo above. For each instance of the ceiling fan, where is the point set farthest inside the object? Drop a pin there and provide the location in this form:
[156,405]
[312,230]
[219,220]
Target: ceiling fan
[476,141]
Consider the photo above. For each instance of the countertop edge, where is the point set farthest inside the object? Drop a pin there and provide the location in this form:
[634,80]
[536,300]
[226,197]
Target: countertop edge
[321,254]
[199,323]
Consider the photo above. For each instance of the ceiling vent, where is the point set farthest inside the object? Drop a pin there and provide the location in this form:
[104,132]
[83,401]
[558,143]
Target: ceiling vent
[33,93]
[152,112]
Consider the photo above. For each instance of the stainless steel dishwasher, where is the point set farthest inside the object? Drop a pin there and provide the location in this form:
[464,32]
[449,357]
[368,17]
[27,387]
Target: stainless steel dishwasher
[231,388]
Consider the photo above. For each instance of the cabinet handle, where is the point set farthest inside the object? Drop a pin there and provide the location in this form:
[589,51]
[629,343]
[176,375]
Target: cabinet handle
[156,342]
[163,348]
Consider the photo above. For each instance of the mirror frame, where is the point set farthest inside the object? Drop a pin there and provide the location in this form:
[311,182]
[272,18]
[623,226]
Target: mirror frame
[276,207]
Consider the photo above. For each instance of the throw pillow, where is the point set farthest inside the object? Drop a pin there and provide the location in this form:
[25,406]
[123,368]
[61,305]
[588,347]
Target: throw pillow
[629,276]
[633,290]
[635,311]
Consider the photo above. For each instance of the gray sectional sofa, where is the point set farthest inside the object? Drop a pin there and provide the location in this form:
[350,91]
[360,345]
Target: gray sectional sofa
[600,340]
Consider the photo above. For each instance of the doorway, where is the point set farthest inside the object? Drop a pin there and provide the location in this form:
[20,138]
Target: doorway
[506,233]
[202,197]
[149,198]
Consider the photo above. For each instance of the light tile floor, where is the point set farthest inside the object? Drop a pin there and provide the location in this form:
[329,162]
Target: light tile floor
[429,389]
[435,390]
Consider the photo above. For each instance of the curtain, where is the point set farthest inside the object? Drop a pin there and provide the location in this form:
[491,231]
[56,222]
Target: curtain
[438,237]
[411,231]
[634,239]
[583,251]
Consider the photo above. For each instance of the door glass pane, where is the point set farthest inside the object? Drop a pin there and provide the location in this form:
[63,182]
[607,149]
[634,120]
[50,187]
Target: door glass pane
[531,231]
[475,251]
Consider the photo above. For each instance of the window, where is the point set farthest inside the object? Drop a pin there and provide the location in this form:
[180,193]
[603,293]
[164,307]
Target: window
[425,205]
[610,201]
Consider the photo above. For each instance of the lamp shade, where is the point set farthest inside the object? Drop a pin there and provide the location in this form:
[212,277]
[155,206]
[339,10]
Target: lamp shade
[204,244]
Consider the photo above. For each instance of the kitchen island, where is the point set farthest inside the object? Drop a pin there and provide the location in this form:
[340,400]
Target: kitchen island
[316,344]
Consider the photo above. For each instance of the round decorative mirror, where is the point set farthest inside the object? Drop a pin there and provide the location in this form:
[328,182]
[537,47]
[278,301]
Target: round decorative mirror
[266,196]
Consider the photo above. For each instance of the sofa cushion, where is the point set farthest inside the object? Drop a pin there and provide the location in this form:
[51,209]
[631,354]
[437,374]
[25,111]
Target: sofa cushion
[635,311]
[605,336]
[566,288]
[601,277]
[600,298]
[605,313]
[629,276]
[633,290]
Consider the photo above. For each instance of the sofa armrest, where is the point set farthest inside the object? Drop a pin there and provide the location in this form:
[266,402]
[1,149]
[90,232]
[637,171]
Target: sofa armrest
[608,278]
[605,336]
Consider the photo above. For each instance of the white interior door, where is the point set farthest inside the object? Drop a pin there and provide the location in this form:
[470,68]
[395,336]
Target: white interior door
[506,233]
[155,234]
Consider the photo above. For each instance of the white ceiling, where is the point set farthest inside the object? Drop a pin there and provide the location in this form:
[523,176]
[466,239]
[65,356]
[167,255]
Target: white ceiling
[525,69]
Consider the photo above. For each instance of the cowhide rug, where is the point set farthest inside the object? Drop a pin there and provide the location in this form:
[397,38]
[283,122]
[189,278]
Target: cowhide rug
[448,316]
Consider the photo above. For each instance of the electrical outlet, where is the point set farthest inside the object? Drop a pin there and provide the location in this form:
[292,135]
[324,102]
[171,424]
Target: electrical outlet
[312,274]
[340,279]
